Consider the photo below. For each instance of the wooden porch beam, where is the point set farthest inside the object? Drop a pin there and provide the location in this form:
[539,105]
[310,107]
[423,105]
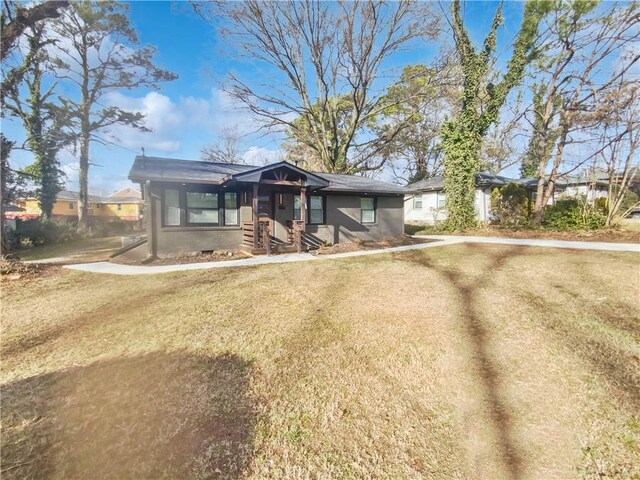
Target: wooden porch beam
[254,204]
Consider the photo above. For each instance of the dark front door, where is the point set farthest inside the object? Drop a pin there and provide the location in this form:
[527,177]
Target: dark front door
[264,206]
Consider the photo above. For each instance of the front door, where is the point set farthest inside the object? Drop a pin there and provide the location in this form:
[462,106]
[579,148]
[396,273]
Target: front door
[264,206]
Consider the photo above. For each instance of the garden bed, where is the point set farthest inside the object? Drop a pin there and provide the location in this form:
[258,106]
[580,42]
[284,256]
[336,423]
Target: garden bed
[371,245]
[215,256]
[608,235]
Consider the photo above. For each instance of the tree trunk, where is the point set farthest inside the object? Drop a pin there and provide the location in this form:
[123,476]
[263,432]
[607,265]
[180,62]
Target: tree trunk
[83,180]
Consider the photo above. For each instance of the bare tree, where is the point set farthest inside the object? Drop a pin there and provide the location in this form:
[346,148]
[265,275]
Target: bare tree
[620,141]
[317,55]
[580,45]
[227,150]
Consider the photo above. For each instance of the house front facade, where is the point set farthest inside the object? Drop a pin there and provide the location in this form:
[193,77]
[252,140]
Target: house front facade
[193,206]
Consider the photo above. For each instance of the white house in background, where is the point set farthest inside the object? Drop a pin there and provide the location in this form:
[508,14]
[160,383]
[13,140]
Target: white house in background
[426,202]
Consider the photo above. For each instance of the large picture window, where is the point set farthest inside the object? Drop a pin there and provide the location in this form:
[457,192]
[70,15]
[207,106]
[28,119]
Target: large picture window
[231,216]
[171,207]
[367,210]
[202,208]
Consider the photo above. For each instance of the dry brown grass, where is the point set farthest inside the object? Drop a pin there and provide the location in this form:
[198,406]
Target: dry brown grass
[465,361]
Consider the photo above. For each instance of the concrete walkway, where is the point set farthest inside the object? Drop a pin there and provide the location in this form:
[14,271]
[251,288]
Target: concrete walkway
[607,246]
[441,240]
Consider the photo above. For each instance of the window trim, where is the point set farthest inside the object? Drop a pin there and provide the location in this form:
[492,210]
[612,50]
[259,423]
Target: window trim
[323,199]
[375,210]
[421,201]
[185,195]
[163,222]
[182,205]
[224,210]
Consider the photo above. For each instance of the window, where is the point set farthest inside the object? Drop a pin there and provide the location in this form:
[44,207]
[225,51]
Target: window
[442,200]
[231,208]
[171,207]
[296,207]
[417,202]
[70,205]
[202,208]
[119,206]
[98,205]
[316,210]
[367,210]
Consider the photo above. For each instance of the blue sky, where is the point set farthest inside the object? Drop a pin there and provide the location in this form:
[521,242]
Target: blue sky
[191,111]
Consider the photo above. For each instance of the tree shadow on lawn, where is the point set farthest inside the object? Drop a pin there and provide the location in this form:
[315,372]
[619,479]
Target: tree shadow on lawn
[159,415]
[490,376]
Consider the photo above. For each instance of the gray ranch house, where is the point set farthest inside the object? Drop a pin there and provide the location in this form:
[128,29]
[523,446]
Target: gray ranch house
[193,206]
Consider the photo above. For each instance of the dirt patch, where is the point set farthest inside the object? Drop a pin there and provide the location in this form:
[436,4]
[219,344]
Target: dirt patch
[371,245]
[215,256]
[12,270]
[614,236]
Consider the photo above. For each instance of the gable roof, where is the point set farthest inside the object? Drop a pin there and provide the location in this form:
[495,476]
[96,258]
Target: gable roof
[313,180]
[159,169]
[355,183]
[483,179]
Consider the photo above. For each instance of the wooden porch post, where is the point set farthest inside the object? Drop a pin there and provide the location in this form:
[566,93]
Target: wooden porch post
[254,200]
[303,207]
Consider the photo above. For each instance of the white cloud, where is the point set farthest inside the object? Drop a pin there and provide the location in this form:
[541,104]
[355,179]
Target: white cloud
[261,156]
[162,116]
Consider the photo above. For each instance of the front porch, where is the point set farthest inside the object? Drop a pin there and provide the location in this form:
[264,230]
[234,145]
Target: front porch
[279,207]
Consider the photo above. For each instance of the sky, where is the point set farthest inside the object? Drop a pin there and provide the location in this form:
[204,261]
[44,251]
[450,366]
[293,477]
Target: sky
[193,111]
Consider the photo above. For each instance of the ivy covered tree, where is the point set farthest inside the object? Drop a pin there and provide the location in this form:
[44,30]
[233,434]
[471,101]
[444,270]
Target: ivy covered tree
[101,53]
[43,122]
[481,102]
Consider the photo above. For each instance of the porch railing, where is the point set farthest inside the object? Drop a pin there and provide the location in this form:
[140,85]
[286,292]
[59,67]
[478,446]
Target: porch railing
[258,235]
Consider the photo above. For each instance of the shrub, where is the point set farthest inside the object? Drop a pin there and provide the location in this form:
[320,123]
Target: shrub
[107,228]
[572,214]
[509,205]
[31,233]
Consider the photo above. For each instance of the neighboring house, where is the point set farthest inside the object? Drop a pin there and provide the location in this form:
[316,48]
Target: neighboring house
[426,203]
[126,208]
[194,206]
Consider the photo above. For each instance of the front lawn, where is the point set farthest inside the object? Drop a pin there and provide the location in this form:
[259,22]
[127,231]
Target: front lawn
[76,251]
[466,361]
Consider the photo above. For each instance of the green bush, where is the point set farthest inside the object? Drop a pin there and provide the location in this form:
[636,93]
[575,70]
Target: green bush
[106,228]
[573,214]
[510,205]
[32,233]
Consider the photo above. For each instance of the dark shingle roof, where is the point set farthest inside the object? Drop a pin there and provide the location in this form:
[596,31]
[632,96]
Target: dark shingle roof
[355,183]
[483,179]
[190,171]
[176,170]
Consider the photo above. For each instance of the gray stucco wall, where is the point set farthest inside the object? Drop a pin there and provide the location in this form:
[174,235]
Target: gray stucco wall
[342,225]
[343,220]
